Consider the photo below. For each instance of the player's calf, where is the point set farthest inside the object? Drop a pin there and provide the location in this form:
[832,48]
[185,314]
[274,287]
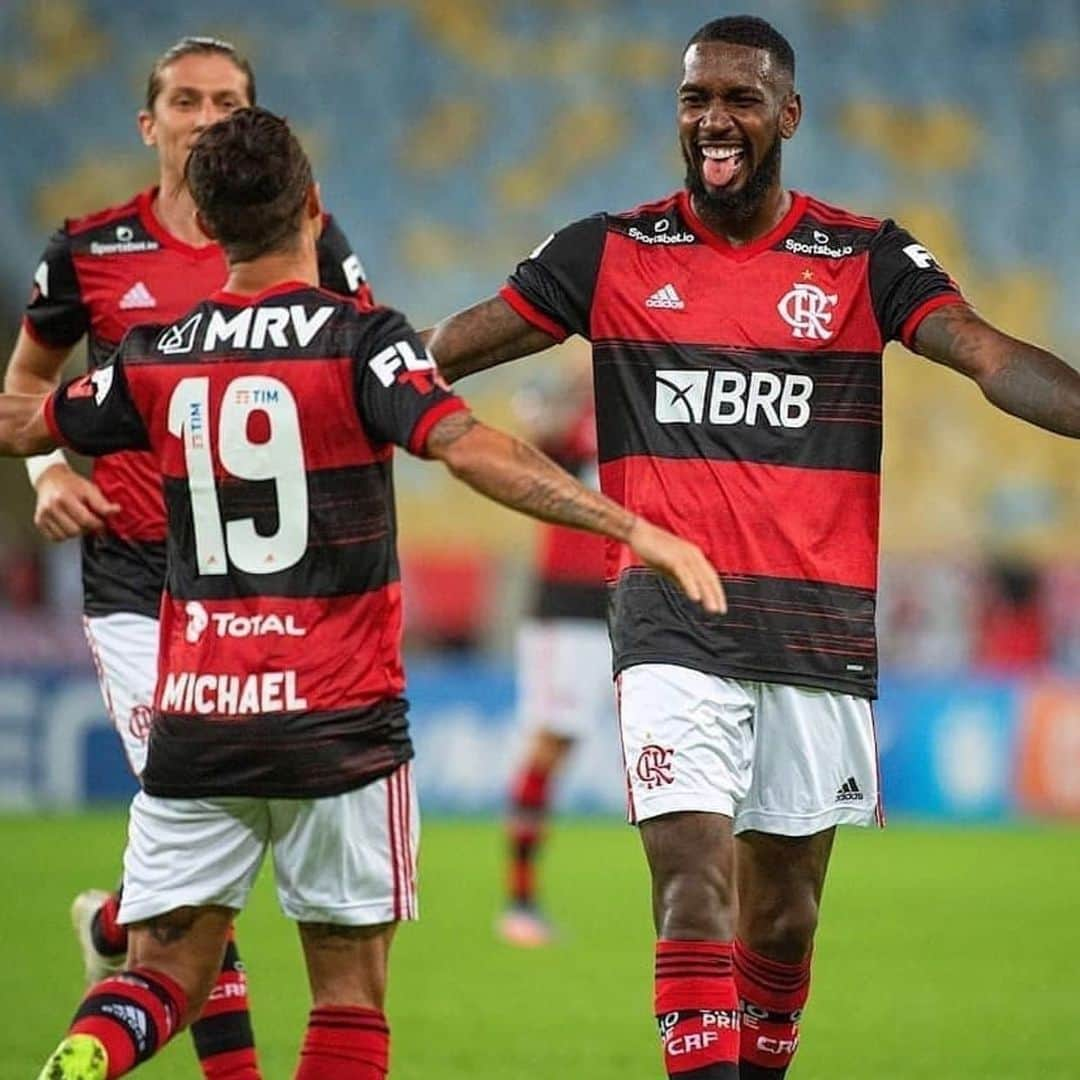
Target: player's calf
[773,995]
[223,1036]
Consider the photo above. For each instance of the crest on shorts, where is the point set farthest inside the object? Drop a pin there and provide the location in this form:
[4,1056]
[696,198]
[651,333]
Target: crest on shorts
[139,721]
[654,766]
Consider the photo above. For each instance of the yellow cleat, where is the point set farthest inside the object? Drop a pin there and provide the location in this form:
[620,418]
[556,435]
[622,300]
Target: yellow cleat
[78,1057]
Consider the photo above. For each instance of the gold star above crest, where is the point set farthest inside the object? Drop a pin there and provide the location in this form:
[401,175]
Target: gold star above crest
[808,275]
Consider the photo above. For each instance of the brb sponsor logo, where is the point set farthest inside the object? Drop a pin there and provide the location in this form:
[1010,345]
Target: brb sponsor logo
[655,767]
[733,397]
[226,624]
[805,308]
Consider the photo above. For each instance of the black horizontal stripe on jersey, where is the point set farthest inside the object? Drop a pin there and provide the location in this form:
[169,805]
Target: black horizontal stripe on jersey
[122,575]
[346,333]
[802,633]
[569,600]
[351,536]
[292,756]
[843,430]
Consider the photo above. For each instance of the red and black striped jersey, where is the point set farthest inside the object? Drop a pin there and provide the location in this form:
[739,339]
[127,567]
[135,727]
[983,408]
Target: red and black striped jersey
[100,276]
[739,404]
[272,422]
[570,563]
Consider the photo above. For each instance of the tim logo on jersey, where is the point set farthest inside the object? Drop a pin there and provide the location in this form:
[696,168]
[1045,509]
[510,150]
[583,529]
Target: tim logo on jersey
[733,397]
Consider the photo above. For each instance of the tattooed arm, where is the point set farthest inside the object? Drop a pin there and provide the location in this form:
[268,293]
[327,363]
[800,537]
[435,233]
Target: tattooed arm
[519,476]
[480,337]
[1018,378]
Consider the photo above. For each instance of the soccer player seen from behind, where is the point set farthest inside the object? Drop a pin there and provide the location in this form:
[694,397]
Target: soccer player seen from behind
[563,654]
[737,331]
[272,409]
[102,274]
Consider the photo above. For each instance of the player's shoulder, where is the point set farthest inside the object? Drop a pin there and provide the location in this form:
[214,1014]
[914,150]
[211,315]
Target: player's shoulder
[826,230]
[119,229]
[660,222]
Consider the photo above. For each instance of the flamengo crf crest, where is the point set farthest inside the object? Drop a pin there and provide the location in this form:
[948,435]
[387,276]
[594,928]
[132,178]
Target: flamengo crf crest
[806,310]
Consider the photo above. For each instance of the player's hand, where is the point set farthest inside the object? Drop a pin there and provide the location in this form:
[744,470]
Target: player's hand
[69,505]
[683,562]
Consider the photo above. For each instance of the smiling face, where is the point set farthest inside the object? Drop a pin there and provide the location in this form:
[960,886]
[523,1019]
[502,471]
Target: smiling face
[735,106]
[196,91]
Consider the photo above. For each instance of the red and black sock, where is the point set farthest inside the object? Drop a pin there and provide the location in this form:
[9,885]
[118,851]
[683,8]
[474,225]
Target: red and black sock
[133,1013]
[345,1042]
[108,936]
[525,829]
[697,1009]
[223,1036]
[773,996]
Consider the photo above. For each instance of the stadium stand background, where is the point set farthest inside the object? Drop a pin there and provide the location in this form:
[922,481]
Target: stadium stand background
[451,137]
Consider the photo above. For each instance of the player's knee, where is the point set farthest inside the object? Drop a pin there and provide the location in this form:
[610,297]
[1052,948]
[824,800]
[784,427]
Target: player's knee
[694,902]
[785,931]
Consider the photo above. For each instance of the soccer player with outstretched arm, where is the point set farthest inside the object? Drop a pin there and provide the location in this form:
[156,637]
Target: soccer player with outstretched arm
[102,274]
[272,410]
[737,331]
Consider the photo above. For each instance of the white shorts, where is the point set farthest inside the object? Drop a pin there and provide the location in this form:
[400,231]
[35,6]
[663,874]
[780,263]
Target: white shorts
[125,651]
[348,859]
[779,759]
[564,677]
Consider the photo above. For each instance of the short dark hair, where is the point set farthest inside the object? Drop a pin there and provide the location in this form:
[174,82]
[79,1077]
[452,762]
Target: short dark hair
[197,46]
[752,32]
[249,177]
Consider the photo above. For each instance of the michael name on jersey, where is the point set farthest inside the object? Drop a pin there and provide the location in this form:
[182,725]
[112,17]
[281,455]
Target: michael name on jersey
[231,695]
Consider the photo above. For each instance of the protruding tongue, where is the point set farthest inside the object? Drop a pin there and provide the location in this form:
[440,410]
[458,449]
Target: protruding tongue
[719,173]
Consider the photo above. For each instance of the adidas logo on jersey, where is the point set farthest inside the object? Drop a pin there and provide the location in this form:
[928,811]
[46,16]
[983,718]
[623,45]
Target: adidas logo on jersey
[666,297]
[138,296]
[849,791]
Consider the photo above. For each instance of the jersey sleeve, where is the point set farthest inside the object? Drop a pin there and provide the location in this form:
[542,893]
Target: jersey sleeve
[399,392]
[553,288]
[56,315]
[906,283]
[340,269]
[95,414]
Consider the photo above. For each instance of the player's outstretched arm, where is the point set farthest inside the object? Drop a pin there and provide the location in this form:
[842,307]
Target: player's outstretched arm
[481,337]
[1017,377]
[68,504]
[519,476]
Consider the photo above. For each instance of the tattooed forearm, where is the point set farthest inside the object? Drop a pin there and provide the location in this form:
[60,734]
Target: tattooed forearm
[448,430]
[480,337]
[1017,377]
[520,476]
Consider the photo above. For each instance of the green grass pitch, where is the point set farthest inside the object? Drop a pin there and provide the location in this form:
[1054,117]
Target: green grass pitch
[942,952]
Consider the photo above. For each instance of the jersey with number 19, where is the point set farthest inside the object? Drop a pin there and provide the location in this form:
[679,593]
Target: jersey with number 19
[273,420]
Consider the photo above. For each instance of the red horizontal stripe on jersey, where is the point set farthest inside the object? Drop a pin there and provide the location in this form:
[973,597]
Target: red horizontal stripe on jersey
[312,383]
[769,520]
[133,482]
[345,650]
[755,294]
[531,314]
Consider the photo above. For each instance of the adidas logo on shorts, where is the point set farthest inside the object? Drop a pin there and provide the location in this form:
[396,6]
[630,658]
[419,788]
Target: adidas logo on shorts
[849,791]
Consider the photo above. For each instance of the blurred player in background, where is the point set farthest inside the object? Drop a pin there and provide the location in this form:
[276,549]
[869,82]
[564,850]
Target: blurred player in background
[563,654]
[102,274]
[737,332]
[272,409]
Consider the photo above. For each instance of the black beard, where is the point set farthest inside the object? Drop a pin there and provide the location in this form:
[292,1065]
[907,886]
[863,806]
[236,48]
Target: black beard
[740,205]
